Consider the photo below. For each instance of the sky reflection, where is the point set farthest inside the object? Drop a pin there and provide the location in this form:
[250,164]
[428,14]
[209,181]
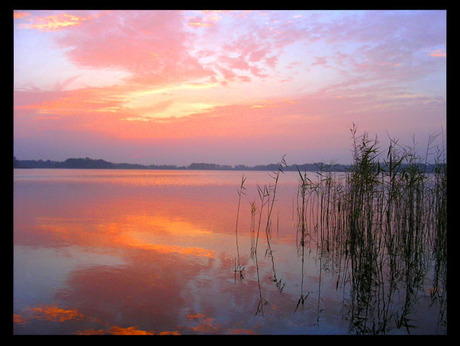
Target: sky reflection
[98,257]
[127,258]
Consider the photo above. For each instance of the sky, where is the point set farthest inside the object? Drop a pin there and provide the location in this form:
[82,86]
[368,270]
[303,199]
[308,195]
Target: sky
[225,87]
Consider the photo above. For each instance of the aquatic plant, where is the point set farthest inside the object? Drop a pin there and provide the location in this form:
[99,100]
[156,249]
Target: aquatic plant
[237,266]
[381,227]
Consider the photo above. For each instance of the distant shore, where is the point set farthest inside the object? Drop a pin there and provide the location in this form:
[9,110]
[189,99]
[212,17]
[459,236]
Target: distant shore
[87,163]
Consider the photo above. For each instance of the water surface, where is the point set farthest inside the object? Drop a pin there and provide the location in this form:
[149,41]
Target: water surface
[154,252]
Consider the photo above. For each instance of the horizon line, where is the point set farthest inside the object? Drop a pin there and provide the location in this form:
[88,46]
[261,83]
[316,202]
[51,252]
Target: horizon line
[76,164]
[330,163]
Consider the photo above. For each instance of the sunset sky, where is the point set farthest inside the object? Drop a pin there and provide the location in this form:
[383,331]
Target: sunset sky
[227,87]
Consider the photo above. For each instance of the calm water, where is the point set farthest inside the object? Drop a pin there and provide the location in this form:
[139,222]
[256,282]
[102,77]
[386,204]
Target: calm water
[152,252]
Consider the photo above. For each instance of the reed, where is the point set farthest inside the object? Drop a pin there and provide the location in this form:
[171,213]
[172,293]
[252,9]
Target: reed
[384,219]
[237,266]
[263,198]
[269,252]
[301,229]
[439,292]
[381,227]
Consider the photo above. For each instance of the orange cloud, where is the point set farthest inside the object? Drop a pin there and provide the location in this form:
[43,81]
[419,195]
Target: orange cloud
[205,19]
[52,313]
[18,15]
[438,53]
[199,24]
[115,330]
[207,325]
[90,332]
[82,102]
[18,319]
[167,249]
[52,22]
[116,235]
[174,332]
[179,229]
[196,316]
[125,113]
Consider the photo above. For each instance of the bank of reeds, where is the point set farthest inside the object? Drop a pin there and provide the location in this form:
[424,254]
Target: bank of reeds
[380,225]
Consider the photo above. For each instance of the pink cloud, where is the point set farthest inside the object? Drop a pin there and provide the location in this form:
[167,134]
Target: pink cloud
[256,71]
[257,55]
[228,74]
[271,61]
[234,63]
[320,61]
[245,79]
[150,45]
[257,49]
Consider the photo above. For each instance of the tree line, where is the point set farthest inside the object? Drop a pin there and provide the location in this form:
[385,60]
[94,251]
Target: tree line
[88,163]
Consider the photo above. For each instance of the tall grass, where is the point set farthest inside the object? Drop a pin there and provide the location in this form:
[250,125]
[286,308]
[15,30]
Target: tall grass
[381,227]
[237,266]
[271,202]
[267,198]
[383,223]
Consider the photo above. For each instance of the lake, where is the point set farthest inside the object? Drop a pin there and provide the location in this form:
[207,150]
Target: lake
[173,252]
